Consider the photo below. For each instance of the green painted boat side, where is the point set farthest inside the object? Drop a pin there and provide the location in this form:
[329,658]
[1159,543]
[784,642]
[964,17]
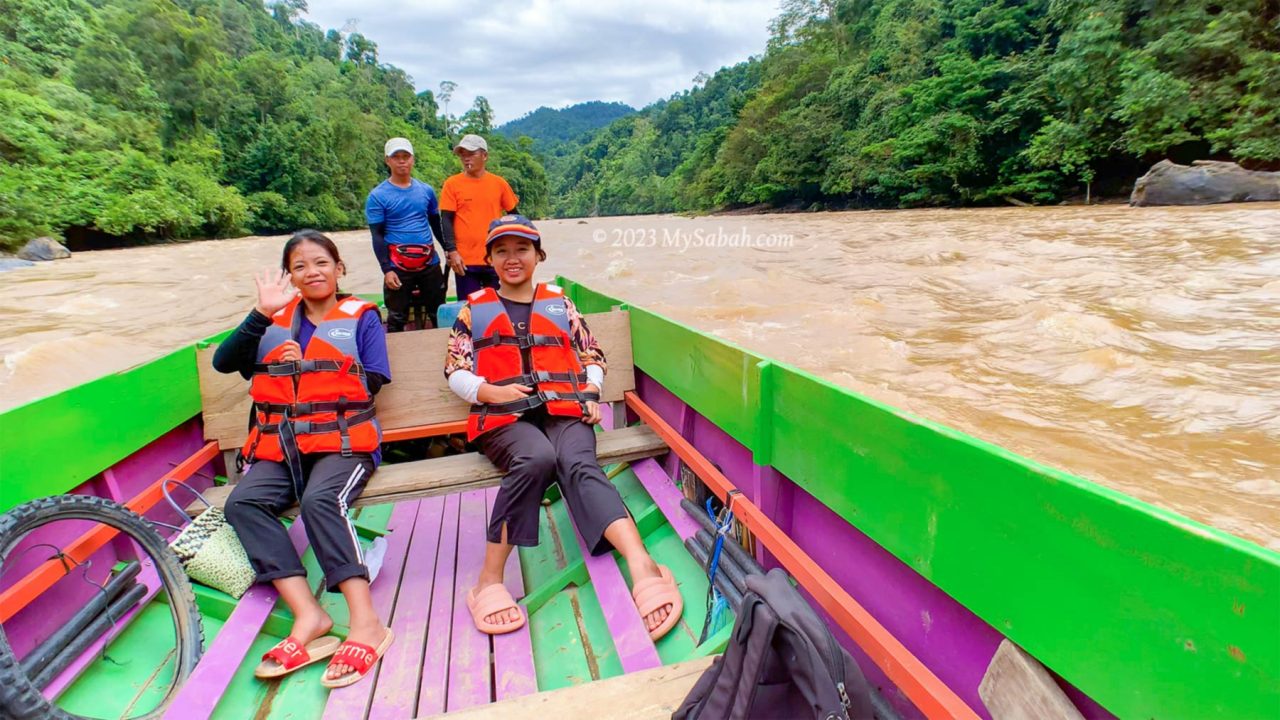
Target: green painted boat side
[1146,611]
[90,427]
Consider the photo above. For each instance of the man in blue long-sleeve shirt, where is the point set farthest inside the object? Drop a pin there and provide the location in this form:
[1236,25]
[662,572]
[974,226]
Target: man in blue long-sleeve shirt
[404,219]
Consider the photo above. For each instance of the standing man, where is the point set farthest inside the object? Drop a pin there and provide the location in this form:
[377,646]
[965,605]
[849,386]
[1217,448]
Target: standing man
[470,201]
[404,218]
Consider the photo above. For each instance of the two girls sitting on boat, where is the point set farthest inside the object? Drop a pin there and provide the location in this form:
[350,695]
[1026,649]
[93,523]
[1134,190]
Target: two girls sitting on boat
[525,359]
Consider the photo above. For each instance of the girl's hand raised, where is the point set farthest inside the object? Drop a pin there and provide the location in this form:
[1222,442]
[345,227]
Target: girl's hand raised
[274,291]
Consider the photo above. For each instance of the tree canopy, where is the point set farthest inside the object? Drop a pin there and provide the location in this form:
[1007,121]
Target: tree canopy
[947,102]
[141,119]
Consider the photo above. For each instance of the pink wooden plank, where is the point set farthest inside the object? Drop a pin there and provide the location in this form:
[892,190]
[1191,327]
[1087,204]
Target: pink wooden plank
[199,696]
[635,649]
[397,682]
[435,658]
[665,495]
[151,580]
[353,700]
[469,649]
[513,670]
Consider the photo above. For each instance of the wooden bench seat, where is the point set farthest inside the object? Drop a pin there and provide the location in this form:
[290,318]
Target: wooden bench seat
[454,473]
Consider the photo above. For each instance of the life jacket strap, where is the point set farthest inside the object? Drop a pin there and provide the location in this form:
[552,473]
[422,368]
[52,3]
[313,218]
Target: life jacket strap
[529,403]
[298,367]
[542,376]
[520,341]
[306,427]
[310,408]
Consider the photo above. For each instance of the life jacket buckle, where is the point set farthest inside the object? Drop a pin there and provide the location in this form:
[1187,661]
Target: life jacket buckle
[301,427]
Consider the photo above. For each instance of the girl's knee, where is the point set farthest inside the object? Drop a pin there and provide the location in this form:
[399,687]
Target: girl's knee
[539,463]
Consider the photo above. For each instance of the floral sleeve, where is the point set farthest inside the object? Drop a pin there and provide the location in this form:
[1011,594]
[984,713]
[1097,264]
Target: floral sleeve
[458,355]
[589,351]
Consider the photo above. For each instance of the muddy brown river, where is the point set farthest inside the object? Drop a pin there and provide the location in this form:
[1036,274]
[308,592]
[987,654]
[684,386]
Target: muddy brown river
[1138,347]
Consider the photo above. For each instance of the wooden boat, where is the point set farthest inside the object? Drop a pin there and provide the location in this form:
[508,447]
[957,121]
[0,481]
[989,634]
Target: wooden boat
[967,581]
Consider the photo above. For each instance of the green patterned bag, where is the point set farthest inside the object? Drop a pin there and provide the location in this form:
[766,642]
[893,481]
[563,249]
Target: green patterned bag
[209,549]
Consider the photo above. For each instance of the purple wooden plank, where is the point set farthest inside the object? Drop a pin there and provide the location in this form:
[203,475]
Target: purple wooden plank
[635,649]
[469,649]
[151,580]
[665,495]
[202,691]
[435,658]
[353,700]
[513,652]
[397,682]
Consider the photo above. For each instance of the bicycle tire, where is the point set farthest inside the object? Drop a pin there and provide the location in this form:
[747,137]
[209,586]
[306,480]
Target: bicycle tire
[22,700]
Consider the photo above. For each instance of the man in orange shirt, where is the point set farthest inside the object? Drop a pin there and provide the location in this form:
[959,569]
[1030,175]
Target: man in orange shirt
[469,201]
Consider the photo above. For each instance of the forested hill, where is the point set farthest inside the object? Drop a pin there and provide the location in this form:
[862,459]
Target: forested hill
[128,120]
[948,102]
[548,127]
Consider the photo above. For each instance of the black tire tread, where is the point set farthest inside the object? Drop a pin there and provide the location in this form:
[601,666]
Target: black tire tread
[19,698]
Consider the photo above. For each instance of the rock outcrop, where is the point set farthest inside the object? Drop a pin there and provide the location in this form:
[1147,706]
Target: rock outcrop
[44,248]
[1203,182]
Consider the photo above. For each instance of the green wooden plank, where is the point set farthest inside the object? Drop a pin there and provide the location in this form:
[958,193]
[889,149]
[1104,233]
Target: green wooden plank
[667,549]
[556,548]
[558,656]
[599,639]
[135,661]
[245,694]
[92,426]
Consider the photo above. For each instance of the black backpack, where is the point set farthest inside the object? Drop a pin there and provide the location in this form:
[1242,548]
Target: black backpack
[782,662]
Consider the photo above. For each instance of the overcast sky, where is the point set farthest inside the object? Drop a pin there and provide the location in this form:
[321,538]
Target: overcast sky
[521,55]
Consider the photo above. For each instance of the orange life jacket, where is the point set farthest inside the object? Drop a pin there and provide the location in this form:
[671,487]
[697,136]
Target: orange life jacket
[324,395]
[554,370]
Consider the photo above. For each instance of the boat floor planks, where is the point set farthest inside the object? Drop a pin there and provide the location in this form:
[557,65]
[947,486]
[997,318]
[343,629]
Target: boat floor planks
[434,549]
[646,695]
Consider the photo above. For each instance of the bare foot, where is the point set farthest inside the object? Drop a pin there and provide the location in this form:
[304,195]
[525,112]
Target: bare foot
[306,627]
[371,634]
[502,617]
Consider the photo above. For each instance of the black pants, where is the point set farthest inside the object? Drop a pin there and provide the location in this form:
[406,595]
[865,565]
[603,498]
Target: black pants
[478,276]
[534,452]
[430,285]
[266,490]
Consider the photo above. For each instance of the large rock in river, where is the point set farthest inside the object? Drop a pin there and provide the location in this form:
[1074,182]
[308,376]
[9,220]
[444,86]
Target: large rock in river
[44,248]
[1203,182]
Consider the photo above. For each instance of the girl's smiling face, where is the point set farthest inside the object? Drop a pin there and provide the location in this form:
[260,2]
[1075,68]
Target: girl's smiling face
[514,258]
[314,271]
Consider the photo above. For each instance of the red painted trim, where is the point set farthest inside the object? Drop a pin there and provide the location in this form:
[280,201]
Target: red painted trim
[26,590]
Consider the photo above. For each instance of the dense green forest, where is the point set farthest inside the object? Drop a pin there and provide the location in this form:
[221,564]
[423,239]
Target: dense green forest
[948,102]
[548,127]
[132,120]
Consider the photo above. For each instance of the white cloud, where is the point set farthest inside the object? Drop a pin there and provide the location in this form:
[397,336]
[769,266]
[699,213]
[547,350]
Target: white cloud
[521,55]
